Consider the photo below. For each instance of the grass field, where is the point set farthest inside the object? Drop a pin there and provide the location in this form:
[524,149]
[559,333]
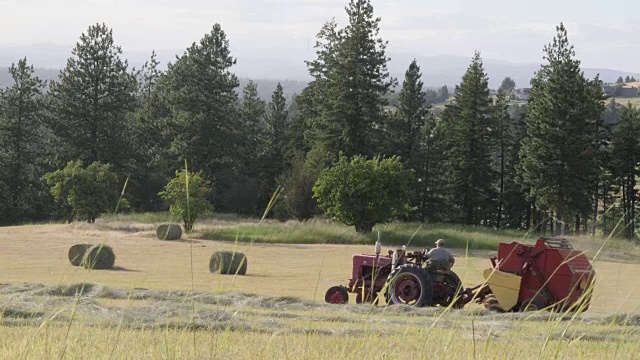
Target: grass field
[153,305]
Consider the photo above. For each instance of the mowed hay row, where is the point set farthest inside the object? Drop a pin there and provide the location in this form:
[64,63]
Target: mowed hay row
[99,257]
[228,262]
[169,232]
[76,253]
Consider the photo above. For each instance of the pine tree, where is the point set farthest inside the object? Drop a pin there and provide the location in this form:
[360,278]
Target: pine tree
[625,162]
[202,100]
[21,146]
[432,194]
[91,102]
[277,132]
[405,128]
[253,180]
[470,128]
[558,156]
[152,135]
[351,68]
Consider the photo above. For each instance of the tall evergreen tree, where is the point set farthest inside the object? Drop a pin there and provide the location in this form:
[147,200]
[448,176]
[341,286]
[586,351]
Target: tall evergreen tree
[202,100]
[91,101]
[251,189]
[277,131]
[405,128]
[625,164]
[470,131]
[558,156]
[351,67]
[152,134]
[21,146]
[432,193]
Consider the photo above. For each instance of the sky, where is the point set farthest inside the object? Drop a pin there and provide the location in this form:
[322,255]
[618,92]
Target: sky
[604,35]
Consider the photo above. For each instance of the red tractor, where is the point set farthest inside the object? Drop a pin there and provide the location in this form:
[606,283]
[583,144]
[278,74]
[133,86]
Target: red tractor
[549,274]
[405,277]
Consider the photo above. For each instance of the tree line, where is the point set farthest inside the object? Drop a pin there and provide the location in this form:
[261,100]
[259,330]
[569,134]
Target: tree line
[564,162]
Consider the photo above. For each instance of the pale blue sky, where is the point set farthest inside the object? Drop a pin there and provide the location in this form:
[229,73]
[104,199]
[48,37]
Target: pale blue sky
[604,34]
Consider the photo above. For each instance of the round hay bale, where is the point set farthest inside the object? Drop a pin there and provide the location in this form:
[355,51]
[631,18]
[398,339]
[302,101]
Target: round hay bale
[99,257]
[76,253]
[169,232]
[228,263]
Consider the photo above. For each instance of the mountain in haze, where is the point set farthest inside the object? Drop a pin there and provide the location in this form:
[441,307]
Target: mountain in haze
[288,66]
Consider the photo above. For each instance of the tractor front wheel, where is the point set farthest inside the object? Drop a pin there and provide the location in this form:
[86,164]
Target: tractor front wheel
[411,285]
[337,295]
[534,304]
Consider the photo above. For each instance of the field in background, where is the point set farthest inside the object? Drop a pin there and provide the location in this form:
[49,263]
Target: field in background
[145,308]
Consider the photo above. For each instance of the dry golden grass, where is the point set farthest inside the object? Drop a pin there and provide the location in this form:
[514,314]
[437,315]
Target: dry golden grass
[112,320]
[38,254]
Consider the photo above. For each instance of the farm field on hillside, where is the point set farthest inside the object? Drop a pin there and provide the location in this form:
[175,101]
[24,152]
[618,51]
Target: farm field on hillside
[145,308]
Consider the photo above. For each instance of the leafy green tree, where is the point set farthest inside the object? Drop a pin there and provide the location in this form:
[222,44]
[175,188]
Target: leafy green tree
[351,71]
[88,192]
[297,188]
[625,163]
[202,100]
[558,157]
[508,85]
[21,146]
[187,205]
[470,127]
[91,101]
[363,192]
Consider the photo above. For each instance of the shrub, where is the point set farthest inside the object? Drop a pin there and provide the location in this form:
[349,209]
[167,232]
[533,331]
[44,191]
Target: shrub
[88,192]
[297,194]
[363,192]
[187,208]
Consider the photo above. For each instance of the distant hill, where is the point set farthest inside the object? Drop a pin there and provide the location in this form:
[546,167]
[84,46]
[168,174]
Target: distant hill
[289,68]
[266,87]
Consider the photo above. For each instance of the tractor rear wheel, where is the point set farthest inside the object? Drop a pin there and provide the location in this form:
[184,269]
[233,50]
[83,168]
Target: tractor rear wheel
[411,285]
[337,295]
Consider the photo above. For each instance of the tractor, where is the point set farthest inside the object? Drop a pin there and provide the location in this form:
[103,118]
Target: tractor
[405,277]
[547,275]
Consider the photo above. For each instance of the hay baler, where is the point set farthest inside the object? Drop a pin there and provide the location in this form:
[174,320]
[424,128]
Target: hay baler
[549,274]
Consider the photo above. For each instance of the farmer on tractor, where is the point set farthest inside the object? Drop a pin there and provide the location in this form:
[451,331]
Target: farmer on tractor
[440,257]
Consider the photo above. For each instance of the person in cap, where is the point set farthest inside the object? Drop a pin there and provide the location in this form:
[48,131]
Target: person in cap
[440,256]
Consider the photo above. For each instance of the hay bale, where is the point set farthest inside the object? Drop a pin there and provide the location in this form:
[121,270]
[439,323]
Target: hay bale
[228,262]
[169,232]
[99,257]
[76,253]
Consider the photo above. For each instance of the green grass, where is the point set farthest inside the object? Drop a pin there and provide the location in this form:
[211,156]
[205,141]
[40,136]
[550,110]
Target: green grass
[328,232]
[163,216]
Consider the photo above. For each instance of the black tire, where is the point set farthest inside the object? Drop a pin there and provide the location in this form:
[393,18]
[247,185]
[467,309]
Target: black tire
[455,283]
[336,295]
[534,304]
[411,285]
